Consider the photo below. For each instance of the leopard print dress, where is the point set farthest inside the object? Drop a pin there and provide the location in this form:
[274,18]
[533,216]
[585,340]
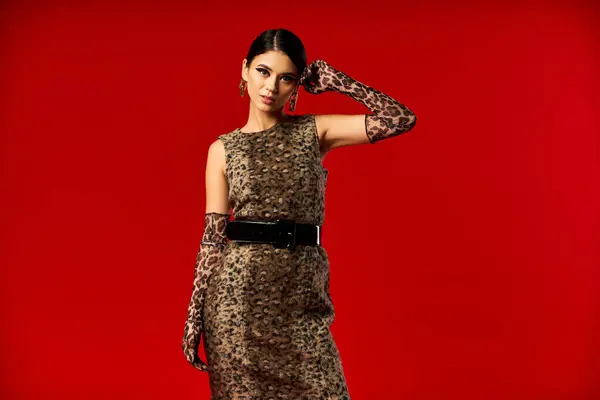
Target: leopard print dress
[268,311]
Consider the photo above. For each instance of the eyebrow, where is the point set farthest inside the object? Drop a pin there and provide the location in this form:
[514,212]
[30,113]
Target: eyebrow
[285,73]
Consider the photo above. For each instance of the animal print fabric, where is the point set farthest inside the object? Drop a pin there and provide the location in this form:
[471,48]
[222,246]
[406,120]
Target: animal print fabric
[209,255]
[268,311]
[389,117]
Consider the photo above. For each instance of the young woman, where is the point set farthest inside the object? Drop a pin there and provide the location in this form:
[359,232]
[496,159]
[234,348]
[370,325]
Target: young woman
[261,285]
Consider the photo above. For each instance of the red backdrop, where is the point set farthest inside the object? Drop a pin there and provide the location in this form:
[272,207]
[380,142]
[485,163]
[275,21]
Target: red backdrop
[463,254]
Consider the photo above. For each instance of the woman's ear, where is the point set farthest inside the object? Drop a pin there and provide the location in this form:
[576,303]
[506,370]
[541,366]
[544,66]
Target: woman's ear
[244,70]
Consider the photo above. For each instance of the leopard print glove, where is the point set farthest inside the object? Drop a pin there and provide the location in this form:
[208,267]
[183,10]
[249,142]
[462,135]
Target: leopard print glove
[389,118]
[209,256]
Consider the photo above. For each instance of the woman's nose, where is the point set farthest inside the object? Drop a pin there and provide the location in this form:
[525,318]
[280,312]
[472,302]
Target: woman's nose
[271,85]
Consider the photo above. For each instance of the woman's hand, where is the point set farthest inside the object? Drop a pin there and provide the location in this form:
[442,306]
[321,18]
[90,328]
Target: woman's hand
[209,257]
[318,77]
[190,343]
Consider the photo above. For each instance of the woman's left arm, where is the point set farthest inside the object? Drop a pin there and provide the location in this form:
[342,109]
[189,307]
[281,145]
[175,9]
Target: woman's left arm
[389,117]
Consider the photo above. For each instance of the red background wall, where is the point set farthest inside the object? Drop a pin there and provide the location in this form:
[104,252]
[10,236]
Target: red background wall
[463,254]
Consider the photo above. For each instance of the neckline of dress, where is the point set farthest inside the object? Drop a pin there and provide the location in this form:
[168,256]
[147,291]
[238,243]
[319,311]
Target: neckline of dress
[289,119]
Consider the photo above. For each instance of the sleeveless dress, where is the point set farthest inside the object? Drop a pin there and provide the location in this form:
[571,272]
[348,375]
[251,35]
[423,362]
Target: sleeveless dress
[268,311]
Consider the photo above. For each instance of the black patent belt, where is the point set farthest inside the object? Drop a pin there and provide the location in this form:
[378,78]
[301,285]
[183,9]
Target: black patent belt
[281,233]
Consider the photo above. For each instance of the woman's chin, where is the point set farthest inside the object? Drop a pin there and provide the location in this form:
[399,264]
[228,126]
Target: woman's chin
[268,107]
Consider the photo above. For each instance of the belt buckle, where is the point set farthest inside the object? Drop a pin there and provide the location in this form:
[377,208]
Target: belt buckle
[286,234]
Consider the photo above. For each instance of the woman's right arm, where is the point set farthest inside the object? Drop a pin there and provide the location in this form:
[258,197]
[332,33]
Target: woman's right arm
[210,253]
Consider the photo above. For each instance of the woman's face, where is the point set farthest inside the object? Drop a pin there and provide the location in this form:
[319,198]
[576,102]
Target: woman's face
[271,74]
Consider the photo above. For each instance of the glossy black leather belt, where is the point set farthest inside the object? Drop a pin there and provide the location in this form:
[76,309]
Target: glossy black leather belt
[281,233]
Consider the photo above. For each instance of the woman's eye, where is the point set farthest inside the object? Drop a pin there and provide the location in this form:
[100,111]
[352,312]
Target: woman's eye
[261,70]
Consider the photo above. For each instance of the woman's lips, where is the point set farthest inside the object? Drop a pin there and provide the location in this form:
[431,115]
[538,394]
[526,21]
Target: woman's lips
[267,100]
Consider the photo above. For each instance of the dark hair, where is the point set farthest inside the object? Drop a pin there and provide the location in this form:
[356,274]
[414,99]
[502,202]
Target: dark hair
[279,40]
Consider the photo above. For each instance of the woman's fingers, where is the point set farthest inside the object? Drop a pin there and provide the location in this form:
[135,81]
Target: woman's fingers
[189,356]
[200,365]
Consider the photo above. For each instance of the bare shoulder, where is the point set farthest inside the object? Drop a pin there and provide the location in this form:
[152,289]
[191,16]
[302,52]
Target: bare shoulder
[321,124]
[338,130]
[216,148]
[217,198]
[216,155]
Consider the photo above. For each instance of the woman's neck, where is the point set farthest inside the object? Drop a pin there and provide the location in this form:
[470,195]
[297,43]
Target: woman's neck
[260,120]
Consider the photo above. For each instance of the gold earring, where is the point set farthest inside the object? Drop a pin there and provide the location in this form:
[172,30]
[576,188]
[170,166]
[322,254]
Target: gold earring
[242,86]
[293,100]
